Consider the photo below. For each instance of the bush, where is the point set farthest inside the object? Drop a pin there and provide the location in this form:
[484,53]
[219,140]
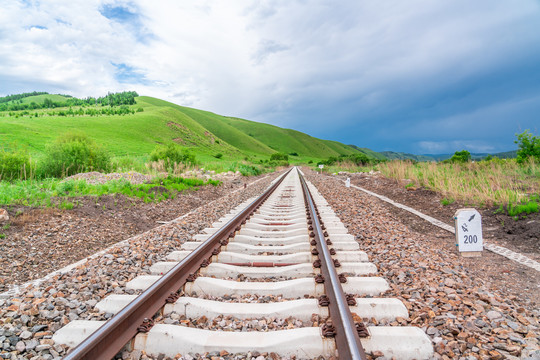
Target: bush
[172,154]
[279,156]
[14,165]
[276,163]
[73,153]
[249,170]
[529,146]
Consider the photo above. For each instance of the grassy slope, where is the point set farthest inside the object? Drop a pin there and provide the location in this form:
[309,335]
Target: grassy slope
[287,140]
[216,124]
[163,122]
[135,134]
[38,99]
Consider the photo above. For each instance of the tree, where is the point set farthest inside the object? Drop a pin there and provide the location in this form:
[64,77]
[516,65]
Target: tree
[462,156]
[529,146]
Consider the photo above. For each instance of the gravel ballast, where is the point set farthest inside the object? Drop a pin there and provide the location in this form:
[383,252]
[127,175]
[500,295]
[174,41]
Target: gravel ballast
[466,315]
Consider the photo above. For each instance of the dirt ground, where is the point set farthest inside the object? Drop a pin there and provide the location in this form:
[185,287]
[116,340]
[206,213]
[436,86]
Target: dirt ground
[522,235]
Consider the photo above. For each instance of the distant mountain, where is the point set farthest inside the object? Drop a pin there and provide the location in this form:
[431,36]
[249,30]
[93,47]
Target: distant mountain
[391,155]
[506,155]
[476,156]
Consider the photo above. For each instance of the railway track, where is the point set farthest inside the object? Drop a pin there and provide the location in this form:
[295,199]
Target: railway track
[279,275]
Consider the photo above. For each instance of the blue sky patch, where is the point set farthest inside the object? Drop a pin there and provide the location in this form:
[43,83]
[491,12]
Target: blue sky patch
[126,74]
[119,13]
[129,19]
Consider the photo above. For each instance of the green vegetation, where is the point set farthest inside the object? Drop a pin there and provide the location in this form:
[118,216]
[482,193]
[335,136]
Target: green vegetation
[43,100]
[529,146]
[172,155]
[14,165]
[527,207]
[462,156]
[279,156]
[73,153]
[352,163]
[6,99]
[49,191]
[502,182]
[447,201]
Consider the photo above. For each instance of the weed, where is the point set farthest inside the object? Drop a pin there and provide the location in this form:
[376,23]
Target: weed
[2,236]
[66,205]
[523,208]
[409,185]
[6,227]
[249,170]
[447,201]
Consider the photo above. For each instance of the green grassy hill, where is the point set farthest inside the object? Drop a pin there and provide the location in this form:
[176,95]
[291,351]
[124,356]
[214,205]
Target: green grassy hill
[162,122]
[38,99]
[278,139]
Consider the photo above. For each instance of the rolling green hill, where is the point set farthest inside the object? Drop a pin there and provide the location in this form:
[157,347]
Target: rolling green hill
[161,122]
[39,99]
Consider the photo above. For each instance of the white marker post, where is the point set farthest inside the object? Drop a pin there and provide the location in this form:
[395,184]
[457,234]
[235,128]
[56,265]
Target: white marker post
[469,240]
[321,166]
[348,182]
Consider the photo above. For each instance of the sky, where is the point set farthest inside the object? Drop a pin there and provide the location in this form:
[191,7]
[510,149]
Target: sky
[417,76]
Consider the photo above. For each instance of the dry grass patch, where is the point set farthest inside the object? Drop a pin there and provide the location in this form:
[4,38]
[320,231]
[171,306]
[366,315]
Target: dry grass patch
[496,182]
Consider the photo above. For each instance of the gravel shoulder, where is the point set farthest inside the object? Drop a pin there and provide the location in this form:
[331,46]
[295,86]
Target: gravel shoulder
[471,309]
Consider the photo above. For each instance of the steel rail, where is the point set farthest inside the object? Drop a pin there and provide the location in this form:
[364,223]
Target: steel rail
[112,336]
[347,340]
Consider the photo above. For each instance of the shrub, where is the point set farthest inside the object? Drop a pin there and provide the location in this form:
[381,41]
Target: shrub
[279,156]
[14,165]
[529,146]
[172,154]
[359,159]
[249,170]
[72,153]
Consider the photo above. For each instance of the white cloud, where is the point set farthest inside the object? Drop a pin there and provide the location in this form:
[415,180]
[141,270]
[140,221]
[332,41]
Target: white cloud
[278,61]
